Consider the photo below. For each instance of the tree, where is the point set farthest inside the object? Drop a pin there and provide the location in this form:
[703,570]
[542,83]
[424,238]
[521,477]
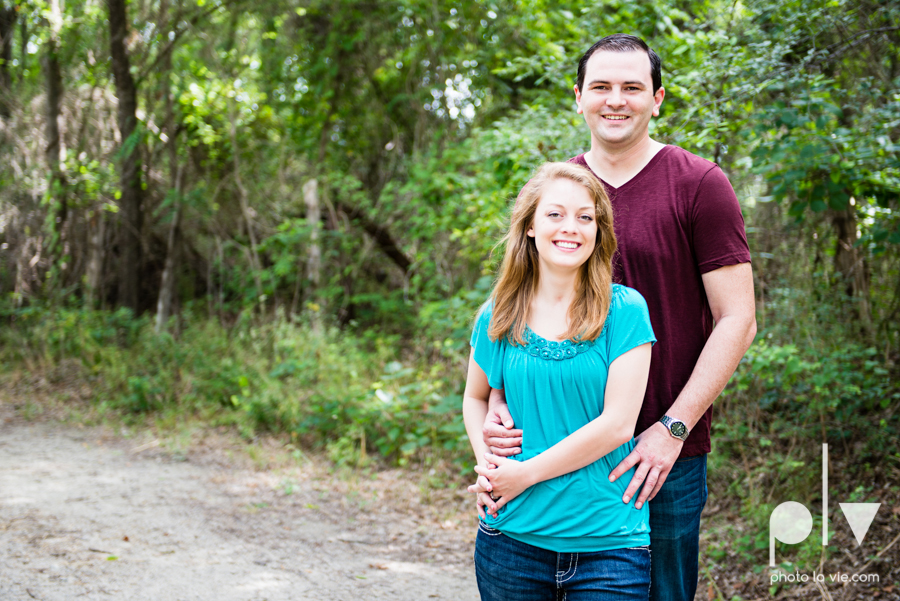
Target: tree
[129,161]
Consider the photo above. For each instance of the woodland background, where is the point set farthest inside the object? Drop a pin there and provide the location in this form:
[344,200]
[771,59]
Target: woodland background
[278,216]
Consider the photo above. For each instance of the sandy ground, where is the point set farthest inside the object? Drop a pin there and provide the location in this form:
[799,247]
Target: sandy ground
[86,515]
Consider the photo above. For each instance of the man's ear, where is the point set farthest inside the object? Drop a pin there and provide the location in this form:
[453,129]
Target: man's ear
[658,100]
[577,99]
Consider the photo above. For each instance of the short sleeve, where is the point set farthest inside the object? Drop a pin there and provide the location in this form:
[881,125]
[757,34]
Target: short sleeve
[629,322]
[717,224]
[488,353]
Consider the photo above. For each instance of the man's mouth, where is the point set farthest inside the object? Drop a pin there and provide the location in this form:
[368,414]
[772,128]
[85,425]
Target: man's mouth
[566,245]
[615,117]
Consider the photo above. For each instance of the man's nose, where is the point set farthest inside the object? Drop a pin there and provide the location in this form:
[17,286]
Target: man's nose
[615,98]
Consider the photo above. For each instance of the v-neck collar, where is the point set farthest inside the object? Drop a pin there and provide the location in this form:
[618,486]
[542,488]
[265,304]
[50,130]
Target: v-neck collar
[637,176]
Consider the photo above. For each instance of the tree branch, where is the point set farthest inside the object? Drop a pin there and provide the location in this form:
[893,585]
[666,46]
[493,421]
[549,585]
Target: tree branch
[380,234]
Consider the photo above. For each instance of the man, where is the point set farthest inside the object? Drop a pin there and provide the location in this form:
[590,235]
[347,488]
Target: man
[682,246]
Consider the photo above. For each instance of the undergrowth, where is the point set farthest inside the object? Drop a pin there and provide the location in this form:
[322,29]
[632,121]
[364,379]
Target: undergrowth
[335,390]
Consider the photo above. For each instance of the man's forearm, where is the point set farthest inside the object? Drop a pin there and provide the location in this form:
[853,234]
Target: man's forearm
[497,397]
[721,355]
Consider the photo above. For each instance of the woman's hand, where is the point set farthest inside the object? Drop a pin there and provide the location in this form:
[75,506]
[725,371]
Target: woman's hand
[483,500]
[507,481]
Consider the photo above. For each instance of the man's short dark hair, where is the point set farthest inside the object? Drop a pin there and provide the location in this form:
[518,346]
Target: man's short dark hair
[622,42]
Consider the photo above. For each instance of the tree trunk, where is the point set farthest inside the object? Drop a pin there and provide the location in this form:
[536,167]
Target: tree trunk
[255,263]
[314,260]
[94,273]
[167,287]
[849,263]
[56,184]
[7,27]
[176,173]
[130,259]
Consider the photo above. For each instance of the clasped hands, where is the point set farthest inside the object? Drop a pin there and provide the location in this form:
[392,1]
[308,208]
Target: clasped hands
[499,481]
[502,479]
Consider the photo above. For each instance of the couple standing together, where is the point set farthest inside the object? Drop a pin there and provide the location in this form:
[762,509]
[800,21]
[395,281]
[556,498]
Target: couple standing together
[623,304]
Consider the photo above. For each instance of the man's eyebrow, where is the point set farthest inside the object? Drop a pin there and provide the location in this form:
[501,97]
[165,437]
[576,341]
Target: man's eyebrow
[626,83]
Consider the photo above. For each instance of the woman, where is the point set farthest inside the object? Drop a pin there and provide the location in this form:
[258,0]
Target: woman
[572,351]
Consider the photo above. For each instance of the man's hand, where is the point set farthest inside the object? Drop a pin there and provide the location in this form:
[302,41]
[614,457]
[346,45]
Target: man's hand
[654,455]
[498,431]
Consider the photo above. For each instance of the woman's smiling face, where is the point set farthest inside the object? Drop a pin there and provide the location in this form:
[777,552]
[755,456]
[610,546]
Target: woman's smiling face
[565,225]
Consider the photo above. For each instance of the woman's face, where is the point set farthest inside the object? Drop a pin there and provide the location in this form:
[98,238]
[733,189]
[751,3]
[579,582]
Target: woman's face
[565,226]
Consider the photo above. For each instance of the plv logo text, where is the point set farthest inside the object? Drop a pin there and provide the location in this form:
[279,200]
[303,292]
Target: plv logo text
[792,523]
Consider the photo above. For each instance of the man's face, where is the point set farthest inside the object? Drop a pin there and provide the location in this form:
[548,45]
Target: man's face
[618,100]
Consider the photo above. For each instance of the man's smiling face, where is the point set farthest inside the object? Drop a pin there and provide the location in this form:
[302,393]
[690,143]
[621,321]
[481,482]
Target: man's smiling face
[618,100]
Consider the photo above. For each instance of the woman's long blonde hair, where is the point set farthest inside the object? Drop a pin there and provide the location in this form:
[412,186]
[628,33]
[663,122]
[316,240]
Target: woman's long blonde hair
[519,275]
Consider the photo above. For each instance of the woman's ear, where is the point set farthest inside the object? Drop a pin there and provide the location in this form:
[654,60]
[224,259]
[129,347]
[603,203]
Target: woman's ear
[530,232]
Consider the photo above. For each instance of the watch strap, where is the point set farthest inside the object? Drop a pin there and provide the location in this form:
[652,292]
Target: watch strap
[676,427]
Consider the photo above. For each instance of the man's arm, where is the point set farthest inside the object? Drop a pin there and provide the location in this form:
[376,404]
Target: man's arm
[499,431]
[730,293]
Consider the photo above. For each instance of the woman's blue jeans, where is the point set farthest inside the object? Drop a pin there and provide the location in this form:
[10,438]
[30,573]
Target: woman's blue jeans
[509,570]
[675,530]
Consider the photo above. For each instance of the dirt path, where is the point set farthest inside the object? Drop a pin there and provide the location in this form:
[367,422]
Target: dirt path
[108,518]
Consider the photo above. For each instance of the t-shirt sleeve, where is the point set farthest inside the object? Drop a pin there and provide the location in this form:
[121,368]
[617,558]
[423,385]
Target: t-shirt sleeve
[718,226]
[629,322]
[488,353]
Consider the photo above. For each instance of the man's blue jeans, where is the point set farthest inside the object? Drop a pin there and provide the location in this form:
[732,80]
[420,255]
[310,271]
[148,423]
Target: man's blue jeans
[509,570]
[675,531]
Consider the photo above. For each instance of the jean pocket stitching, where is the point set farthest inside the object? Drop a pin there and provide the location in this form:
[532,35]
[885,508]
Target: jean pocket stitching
[488,530]
[571,567]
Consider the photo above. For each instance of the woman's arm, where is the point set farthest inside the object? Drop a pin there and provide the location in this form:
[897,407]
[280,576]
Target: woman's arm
[475,408]
[622,402]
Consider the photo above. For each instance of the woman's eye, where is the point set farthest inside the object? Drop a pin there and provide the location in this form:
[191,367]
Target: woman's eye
[553,214]
[587,218]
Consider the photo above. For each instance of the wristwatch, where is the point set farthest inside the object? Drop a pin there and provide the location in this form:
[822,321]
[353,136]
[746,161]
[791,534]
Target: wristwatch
[676,427]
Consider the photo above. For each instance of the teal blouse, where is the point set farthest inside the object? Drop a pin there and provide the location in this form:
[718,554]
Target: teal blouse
[553,389]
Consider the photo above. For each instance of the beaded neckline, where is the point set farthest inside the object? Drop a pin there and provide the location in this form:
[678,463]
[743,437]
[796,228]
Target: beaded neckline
[551,350]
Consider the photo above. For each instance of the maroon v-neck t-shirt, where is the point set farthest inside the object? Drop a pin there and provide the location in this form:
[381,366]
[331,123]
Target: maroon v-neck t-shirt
[675,220]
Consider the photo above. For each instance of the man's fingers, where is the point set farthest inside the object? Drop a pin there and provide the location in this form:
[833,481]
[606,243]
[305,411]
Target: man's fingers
[649,485]
[502,412]
[626,464]
[639,474]
[659,484]
[505,452]
[491,430]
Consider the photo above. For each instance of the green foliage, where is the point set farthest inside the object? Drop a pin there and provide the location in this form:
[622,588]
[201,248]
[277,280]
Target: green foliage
[332,389]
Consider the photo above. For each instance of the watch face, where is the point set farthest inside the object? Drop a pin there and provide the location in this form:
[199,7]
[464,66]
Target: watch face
[679,429]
